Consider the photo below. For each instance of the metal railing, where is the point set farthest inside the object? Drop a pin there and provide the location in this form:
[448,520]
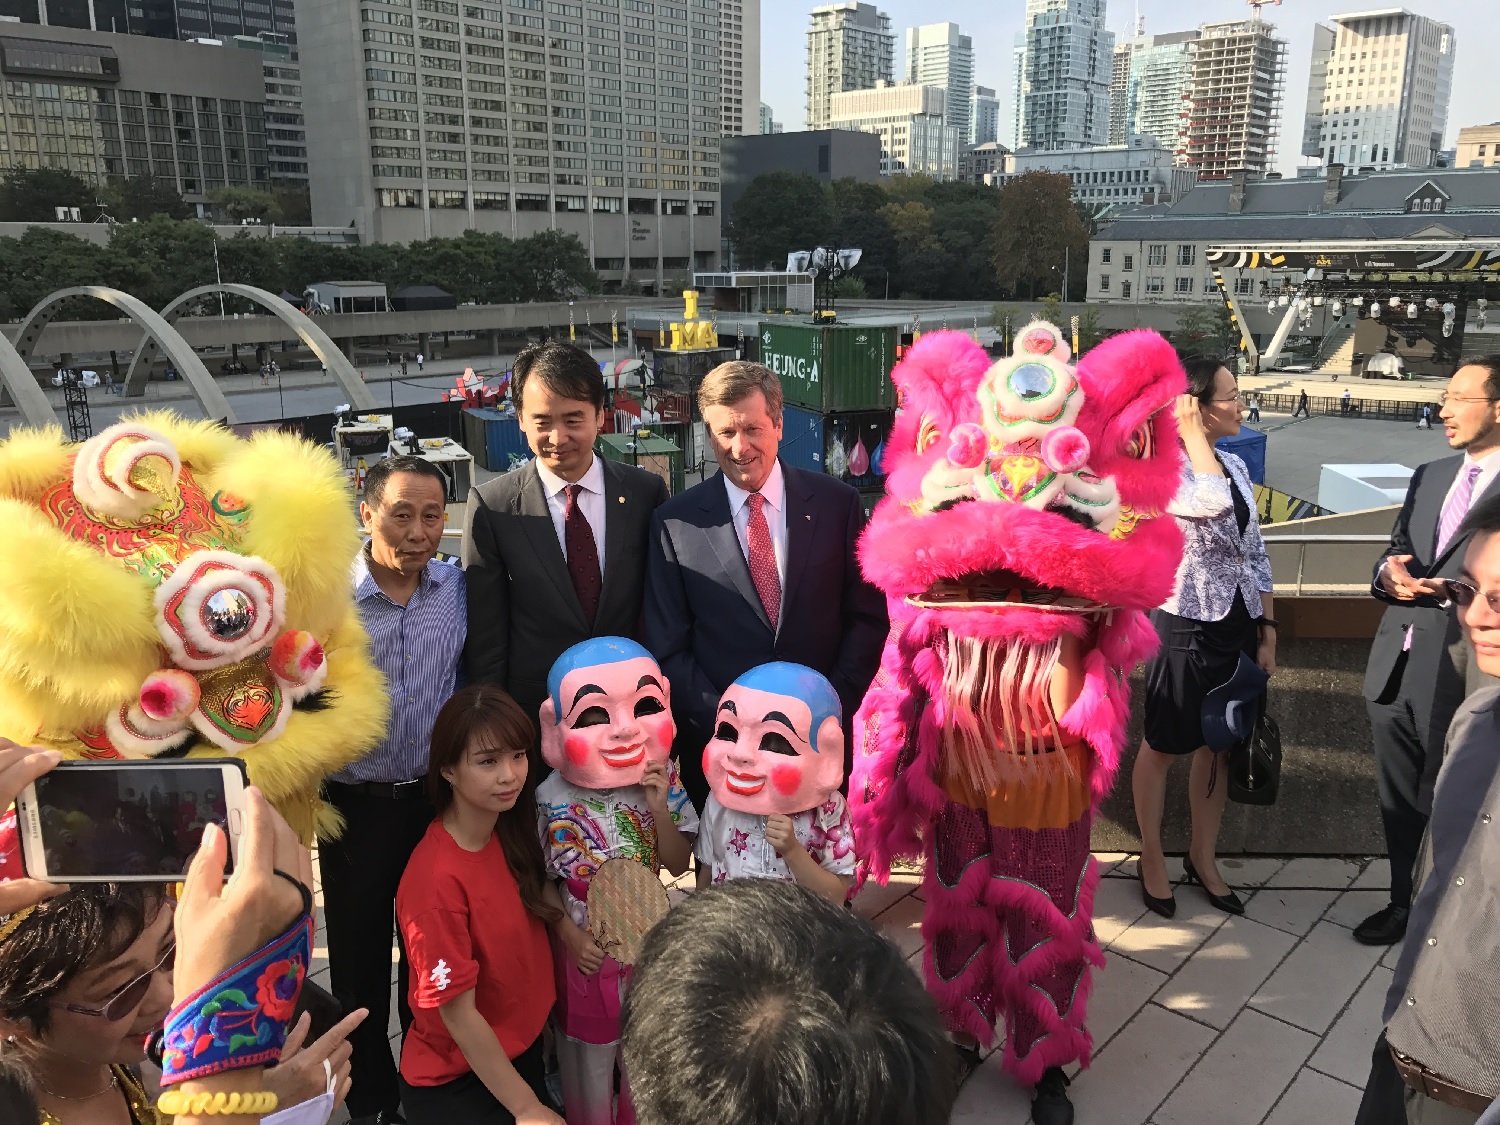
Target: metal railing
[1385,409]
[1306,540]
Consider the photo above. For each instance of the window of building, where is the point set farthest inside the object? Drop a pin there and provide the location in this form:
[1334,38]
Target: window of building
[571,203]
[491,201]
[1104,255]
[643,263]
[1186,255]
[1125,290]
[703,207]
[1244,286]
[608,205]
[643,207]
[399,197]
[1156,285]
[674,206]
[1183,285]
[457,200]
[1127,263]
[674,263]
[609,263]
[526,201]
[1156,255]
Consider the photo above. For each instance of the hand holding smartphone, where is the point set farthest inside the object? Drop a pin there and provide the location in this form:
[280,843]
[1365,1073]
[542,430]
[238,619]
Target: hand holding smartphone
[128,821]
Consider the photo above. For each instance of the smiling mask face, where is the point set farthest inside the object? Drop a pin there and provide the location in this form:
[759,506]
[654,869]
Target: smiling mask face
[608,714]
[778,744]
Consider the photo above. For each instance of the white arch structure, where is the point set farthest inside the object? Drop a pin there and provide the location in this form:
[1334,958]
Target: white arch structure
[159,333]
[310,334]
[25,391]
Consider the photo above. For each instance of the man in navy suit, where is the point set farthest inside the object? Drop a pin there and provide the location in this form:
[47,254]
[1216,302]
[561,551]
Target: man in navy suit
[753,565]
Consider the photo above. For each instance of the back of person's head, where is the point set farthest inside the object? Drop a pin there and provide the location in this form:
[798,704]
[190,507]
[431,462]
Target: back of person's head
[758,1002]
[566,370]
[1201,372]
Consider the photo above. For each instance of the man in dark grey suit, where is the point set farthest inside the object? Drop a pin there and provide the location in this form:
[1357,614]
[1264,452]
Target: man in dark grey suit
[1419,668]
[753,565]
[554,552]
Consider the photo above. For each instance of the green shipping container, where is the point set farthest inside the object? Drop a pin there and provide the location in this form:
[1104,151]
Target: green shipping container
[654,454]
[832,367]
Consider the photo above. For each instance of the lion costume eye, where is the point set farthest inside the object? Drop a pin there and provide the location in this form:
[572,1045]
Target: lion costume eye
[1142,442]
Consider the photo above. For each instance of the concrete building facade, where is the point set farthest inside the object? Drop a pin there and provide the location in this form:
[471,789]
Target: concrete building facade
[1378,90]
[1160,253]
[825,154]
[850,46]
[739,67]
[1237,87]
[977,163]
[984,116]
[1478,146]
[1112,176]
[1064,75]
[428,118]
[104,105]
[1152,97]
[939,54]
[915,136]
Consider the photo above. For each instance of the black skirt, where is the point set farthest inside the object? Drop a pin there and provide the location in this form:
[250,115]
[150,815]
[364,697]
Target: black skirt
[1195,657]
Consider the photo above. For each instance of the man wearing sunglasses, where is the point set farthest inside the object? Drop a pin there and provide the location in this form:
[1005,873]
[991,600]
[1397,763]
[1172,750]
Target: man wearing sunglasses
[1436,1057]
[1419,669]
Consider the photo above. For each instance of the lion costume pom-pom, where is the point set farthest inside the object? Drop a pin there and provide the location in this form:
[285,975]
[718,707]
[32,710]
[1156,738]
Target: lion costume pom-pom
[173,590]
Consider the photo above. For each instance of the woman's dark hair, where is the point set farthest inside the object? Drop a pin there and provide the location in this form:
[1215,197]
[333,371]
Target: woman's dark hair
[1201,370]
[484,711]
[78,930]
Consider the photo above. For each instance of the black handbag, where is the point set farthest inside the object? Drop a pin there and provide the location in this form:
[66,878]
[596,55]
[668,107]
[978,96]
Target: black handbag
[1255,765]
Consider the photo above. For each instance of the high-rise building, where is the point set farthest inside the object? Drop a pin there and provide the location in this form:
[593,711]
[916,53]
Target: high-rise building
[1150,91]
[1017,91]
[157,18]
[603,124]
[939,54]
[739,66]
[1065,75]
[1378,91]
[850,46]
[1235,98]
[286,133]
[911,120]
[984,116]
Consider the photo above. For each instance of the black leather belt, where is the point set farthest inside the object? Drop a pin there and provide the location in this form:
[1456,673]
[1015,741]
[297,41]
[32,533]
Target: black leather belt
[389,790]
[1434,1086]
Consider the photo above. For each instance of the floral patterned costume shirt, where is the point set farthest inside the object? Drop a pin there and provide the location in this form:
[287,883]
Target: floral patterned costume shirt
[581,828]
[734,844]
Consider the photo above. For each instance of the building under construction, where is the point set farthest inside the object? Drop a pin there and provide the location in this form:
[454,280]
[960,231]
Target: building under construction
[1238,76]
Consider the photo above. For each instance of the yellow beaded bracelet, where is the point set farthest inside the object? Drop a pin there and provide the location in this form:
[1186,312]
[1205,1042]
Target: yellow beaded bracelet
[175,1103]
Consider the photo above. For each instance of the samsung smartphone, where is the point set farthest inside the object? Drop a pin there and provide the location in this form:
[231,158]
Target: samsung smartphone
[112,822]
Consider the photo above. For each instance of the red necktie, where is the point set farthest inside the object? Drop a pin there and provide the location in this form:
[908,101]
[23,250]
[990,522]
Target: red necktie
[763,558]
[583,556]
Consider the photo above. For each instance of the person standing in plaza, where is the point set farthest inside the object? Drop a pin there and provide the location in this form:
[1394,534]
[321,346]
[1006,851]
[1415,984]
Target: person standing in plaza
[555,552]
[414,609]
[753,565]
[1344,401]
[1419,670]
[1220,608]
[1302,405]
[420,359]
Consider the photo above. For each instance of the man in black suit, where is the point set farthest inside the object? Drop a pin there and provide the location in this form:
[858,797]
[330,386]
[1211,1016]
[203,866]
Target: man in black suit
[753,565]
[554,552]
[1420,667]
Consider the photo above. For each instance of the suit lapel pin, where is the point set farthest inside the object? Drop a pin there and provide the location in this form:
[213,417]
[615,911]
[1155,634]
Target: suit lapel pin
[620,499]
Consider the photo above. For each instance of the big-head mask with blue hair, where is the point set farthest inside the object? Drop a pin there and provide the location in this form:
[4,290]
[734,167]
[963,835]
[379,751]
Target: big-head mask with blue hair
[778,743]
[608,714]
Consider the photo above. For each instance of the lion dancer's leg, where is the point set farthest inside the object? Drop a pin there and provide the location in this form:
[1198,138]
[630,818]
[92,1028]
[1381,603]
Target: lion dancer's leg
[1009,890]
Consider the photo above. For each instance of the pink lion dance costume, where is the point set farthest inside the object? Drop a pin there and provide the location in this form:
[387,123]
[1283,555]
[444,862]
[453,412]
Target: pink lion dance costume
[1019,548]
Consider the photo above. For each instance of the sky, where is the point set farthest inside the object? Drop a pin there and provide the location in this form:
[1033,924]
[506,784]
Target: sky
[995,23]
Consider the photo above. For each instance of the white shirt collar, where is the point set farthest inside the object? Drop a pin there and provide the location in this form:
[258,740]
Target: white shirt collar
[773,490]
[591,481]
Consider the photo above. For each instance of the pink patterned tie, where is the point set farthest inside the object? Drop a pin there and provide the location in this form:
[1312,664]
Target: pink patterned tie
[1457,507]
[763,558]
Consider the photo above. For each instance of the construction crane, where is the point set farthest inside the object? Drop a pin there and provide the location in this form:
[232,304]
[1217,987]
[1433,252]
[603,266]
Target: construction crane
[1259,4]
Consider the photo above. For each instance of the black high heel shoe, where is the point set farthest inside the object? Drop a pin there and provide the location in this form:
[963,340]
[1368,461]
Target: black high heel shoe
[1229,904]
[1166,907]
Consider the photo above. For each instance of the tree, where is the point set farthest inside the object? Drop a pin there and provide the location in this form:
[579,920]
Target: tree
[295,201]
[1196,330]
[778,213]
[1038,228]
[32,195]
[140,197]
[557,266]
[241,203]
[1089,331]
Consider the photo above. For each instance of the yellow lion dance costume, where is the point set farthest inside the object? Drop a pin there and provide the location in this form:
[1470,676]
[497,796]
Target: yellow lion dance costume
[169,589]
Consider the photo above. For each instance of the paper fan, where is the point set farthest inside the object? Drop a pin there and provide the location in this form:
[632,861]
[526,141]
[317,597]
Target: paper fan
[625,900]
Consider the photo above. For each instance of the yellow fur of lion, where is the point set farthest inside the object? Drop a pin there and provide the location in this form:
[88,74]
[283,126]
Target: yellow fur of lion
[76,632]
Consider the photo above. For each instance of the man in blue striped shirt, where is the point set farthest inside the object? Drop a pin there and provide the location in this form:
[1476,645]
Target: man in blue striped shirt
[414,609]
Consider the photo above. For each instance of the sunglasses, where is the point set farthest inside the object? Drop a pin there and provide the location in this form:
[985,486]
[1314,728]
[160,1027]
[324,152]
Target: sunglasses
[128,998]
[1462,594]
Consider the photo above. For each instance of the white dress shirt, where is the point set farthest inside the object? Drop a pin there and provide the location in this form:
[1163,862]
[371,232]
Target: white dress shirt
[590,499]
[774,491]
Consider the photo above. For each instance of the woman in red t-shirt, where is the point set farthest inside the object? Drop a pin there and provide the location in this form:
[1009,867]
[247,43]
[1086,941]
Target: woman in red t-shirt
[473,908]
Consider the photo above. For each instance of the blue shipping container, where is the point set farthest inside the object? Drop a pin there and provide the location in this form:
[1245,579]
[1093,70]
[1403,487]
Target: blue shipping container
[1250,447]
[848,446]
[504,445]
